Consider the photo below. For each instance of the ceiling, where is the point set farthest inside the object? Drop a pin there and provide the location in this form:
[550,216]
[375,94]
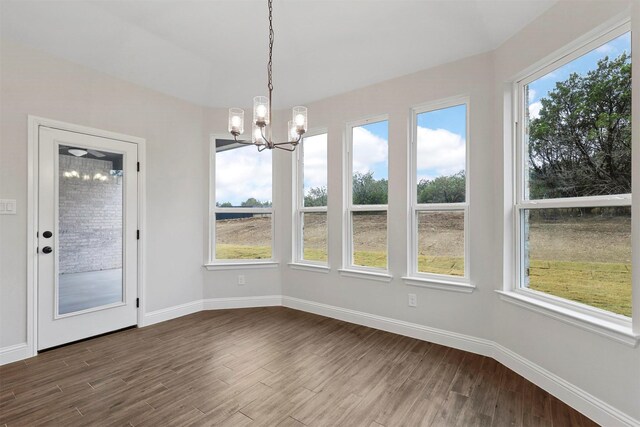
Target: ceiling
[214,52]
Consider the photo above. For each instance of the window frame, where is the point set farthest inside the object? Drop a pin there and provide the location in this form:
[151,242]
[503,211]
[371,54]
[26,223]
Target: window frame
[212,262]
[434,280]
[521,204]
[299,209]
[349,269]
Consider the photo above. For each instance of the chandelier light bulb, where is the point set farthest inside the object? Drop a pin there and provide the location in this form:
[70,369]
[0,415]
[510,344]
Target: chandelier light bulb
[261,111]
[236,121]
[257,134]
[292,131]
[300,119]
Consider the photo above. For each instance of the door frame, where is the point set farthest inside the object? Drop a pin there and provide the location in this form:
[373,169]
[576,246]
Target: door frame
[34,123]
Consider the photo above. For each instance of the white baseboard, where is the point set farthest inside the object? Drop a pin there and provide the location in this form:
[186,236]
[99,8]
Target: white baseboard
[591,406]
[13,353]
[169,313]
[210,304]
[400,327]
[242,302]
[594,408]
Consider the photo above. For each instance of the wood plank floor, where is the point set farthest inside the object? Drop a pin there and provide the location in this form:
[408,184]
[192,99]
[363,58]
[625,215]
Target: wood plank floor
[269,366]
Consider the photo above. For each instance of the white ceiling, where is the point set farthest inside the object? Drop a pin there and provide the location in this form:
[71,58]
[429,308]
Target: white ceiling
[214,52]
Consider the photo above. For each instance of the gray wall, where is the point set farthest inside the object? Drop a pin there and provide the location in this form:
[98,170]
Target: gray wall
[34,83]
[90,216]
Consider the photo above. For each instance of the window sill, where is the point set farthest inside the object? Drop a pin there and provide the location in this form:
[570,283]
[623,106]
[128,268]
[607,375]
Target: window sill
[368,275]
[241,265]
[611,330]
[309,267]
[442,284]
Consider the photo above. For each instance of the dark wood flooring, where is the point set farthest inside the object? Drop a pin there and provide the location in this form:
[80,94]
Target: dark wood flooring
[269,366]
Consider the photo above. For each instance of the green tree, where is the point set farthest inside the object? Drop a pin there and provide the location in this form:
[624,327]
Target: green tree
[369,191]
[252,202]
[317,197]
[443,189]
[224,205]
[580,145]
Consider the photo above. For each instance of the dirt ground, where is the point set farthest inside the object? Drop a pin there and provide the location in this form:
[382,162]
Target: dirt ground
[599,239]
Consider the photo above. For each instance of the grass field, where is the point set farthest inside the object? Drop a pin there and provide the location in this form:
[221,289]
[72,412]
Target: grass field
[584,260]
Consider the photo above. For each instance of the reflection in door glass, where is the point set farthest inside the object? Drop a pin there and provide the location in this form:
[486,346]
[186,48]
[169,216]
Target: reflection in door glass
[90,224]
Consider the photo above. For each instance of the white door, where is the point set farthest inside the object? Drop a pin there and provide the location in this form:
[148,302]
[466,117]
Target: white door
[87,236]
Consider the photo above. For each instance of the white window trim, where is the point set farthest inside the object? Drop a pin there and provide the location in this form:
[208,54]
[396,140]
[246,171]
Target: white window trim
[348,268]
[224,264]
[432,280]
[611,325]
[299,210]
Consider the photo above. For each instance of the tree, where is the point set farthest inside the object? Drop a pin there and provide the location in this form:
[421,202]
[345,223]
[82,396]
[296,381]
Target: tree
[580,145]
[369,191]
[443,189]
[317,197]
[224,205]
[252,202]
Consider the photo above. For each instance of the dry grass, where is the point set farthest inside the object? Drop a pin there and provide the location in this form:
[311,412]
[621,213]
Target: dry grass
[587,261]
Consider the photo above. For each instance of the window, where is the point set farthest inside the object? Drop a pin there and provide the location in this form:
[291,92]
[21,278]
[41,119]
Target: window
[241,212]
[367,186]
[439,207]
[573,201]
[311,204]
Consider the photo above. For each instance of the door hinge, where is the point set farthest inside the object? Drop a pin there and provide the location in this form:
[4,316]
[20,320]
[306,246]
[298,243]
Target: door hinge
[138,166]
[138,234]
[137,302]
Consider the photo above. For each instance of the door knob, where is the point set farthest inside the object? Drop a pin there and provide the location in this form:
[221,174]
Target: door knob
[47,234]
[47,250]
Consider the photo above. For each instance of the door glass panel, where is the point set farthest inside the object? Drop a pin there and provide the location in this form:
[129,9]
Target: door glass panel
[90,225]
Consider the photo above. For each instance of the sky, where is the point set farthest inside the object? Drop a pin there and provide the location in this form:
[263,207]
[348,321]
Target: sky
[371,149]
[242,173]
[540,88]
[441,137]
[314,151]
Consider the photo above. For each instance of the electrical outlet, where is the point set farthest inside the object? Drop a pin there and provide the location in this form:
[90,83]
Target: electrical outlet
[241,279]
[413,300]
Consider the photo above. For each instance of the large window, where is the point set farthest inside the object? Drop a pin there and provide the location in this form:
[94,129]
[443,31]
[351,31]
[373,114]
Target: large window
[311,204]
[241,209]
[439,192]
[367,186]
[573,201]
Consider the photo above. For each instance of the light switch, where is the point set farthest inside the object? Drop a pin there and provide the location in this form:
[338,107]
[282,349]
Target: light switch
[7,206]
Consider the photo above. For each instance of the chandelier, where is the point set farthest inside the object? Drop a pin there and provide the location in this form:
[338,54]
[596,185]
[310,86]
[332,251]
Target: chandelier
[261,124]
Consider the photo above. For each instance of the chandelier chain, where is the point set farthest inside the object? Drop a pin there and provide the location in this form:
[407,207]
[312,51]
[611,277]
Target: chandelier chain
[270,64]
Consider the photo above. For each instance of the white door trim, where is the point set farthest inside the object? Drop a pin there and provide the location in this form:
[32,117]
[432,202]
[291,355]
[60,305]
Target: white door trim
[34,124]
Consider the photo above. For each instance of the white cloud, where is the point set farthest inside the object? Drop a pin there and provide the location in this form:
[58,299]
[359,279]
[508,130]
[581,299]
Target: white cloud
[532,94]
[534,110]
[606,49]
[242,173]
[368,150]
[440,153]
[315,161]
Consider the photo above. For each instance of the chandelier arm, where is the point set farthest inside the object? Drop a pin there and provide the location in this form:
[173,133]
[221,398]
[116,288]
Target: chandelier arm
[241,141]
[267,141]
[292,149]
